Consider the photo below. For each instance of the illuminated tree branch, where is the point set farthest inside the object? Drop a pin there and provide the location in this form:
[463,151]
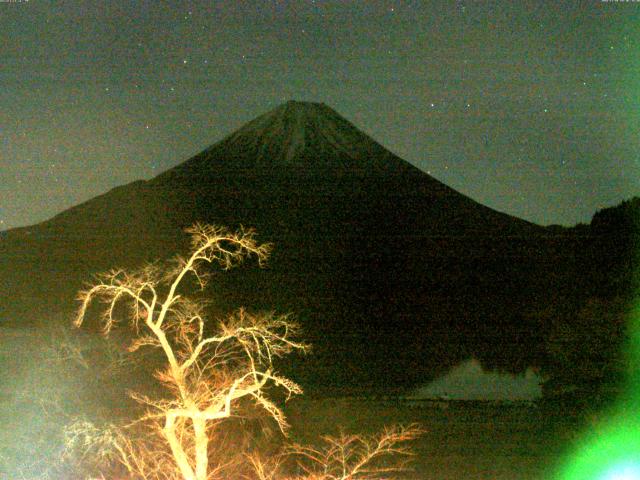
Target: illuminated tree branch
[345,457]
[207,375]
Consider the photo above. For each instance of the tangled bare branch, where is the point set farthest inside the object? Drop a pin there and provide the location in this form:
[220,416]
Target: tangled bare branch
[210,372]
[345,457]
[206,375]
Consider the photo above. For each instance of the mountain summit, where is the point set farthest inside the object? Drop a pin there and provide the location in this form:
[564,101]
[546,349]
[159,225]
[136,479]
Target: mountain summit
[394,275]
[296,131]
[303,136]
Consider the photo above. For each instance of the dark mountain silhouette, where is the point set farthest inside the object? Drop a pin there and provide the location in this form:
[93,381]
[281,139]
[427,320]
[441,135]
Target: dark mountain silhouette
[394,275]
[590,320]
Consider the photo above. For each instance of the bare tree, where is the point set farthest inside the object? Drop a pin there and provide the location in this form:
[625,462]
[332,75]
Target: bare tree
[345,457]
[207,374]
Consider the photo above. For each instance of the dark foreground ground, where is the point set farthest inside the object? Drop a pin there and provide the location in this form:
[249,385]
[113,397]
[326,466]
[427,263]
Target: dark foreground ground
[463,440]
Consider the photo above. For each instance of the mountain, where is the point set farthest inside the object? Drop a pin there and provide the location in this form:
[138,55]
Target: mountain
[394,276]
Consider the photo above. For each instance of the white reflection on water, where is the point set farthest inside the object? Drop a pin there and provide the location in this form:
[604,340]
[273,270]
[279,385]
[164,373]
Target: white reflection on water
[468,381]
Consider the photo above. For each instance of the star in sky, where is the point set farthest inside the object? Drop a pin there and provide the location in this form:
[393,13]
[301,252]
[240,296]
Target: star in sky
[431,81]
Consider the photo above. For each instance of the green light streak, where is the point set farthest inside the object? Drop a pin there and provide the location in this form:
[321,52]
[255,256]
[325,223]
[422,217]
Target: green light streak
[612,452]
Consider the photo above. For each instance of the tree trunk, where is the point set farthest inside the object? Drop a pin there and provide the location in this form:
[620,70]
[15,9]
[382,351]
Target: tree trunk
[202,441]
[176,449]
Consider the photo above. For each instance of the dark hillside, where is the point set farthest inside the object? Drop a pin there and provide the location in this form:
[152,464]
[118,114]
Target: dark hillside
[394,275]
[588,320]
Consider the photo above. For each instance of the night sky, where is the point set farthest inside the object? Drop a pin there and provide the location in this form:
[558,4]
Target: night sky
[529,107]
